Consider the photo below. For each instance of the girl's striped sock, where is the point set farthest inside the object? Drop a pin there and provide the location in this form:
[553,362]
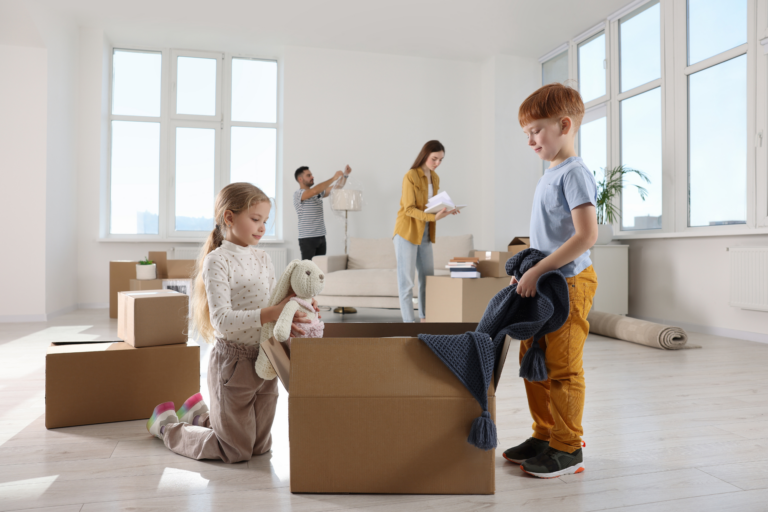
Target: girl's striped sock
[164,414]
[193,407]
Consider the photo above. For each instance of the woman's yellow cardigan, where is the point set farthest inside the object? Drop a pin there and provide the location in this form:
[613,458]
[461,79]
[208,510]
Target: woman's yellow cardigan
[411,218]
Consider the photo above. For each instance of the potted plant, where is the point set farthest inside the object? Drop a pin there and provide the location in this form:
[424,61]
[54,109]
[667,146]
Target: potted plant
[610,187]
[146,269]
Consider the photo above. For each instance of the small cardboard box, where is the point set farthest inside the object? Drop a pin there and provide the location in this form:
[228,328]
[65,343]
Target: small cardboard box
[152,318]
[518,244]
[180,269]
[460,300]
[120,274]
[101,382]
[382,415]
[161,263]
[493,263]
[138,285]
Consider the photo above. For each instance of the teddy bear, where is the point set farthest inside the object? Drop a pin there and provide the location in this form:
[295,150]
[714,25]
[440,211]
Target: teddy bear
[306,280]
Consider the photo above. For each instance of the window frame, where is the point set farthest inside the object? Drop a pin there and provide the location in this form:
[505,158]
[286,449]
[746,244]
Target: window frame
[169,121]
[674,115]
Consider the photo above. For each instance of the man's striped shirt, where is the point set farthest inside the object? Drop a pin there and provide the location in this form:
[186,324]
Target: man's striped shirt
[310,212]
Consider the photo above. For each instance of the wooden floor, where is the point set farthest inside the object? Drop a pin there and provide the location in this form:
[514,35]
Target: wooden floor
[665,431]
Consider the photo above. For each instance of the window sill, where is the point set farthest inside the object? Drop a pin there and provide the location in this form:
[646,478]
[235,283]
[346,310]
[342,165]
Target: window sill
[741,231]
[169,240]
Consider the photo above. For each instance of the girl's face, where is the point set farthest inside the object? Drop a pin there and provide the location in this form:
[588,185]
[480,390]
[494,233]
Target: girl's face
[434,160]
[247,227]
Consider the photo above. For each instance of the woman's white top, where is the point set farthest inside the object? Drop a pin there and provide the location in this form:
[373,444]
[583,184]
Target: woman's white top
[238,282]
[431,191]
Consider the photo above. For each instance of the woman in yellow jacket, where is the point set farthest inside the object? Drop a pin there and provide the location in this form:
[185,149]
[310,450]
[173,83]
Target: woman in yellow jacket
[415,230]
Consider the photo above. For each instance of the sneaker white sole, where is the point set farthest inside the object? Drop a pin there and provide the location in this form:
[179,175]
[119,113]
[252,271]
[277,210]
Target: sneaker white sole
[571,470]
[514,461]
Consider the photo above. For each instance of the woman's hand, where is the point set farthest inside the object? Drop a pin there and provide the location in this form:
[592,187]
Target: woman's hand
[526,287]
[444,213]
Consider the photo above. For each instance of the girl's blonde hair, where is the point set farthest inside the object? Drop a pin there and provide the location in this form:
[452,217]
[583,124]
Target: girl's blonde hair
[237,198]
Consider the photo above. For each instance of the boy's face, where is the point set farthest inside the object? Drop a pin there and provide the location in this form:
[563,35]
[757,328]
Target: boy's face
[548,136]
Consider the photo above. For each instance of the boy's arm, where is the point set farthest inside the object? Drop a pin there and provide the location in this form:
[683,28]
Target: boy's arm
[585,223]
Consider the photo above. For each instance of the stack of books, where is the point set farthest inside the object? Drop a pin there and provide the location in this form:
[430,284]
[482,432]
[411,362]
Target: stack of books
[464,268]
[440,201]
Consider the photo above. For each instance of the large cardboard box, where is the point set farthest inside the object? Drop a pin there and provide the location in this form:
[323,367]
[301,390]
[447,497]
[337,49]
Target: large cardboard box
[460,300]
[161,263]
[138,285]
[153,318]
[120,274]
[382,415]
[100,382]
[492,263]
[180,269]
[518,244]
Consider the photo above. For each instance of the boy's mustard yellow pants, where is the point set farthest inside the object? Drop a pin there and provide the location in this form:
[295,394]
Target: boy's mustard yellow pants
[557,404]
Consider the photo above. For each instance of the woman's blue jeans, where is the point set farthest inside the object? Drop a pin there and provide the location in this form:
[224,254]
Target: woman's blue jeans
[411,258]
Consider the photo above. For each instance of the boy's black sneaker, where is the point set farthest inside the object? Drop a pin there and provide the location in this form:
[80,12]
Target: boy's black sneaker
[554,463]
[528,449]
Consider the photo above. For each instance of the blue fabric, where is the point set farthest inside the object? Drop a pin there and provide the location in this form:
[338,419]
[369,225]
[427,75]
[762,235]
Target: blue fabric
[560,190]
[472,356]
[411,258]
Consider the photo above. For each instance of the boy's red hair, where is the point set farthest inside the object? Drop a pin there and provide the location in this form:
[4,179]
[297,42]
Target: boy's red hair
[552,100]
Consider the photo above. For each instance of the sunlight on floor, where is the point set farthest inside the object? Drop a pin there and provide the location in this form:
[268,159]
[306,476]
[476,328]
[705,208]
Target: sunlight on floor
[281,460]
[174,479]
[30,489]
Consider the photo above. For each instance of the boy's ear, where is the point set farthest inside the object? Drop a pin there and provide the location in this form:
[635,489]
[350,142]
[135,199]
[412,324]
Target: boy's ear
[566,125]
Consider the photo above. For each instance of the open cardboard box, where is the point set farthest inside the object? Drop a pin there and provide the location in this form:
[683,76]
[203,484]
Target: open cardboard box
[107,381]
[373,410]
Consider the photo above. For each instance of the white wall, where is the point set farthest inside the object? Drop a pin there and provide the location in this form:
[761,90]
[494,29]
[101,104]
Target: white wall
[23,106]
[685,281]
[374,112]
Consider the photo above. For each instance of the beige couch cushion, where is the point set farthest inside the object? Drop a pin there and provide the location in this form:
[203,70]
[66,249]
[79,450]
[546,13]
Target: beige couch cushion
[371,253]
[447,247]
[362,282]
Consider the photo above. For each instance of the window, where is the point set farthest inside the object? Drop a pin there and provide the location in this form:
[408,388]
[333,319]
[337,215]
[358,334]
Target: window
[673,89]
[555,69]
[214,122]
[592,68]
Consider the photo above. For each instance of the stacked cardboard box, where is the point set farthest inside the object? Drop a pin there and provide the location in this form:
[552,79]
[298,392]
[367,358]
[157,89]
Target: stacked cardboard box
[493,263]
[395,420]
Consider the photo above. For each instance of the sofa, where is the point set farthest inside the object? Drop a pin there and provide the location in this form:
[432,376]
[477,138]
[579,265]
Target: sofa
[367,276]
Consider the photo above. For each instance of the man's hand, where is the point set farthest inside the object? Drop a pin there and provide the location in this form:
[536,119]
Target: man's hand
[347,170]
[338,175]
[527,285]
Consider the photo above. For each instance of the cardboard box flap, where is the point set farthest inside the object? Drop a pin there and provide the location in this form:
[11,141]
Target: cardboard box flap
[104,346]
[160,258]
[501,360]
[521,240]
[181,269]
[151,294]
[81,342]
[279,354]
[370,367]
[388,330]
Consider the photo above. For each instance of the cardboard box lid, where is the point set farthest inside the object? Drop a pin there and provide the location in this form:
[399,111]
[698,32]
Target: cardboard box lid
[385,330]
[371,367]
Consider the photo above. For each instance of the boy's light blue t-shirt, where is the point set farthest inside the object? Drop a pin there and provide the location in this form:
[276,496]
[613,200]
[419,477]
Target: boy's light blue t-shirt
[560,190]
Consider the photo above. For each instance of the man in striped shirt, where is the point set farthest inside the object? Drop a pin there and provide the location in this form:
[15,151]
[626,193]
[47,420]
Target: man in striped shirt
[308,201]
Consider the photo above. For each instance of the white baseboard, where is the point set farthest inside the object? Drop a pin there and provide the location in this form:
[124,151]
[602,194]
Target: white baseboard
[92,305]
[68,309]
[714,331]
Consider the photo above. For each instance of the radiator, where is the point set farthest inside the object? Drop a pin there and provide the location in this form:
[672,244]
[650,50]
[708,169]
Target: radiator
[278,255]
[749,277]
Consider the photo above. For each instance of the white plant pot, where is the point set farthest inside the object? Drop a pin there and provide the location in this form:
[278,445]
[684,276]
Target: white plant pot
[604,234]
[146,271]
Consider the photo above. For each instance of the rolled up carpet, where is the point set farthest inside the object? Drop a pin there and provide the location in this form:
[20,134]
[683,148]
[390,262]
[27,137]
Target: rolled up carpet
[650,334]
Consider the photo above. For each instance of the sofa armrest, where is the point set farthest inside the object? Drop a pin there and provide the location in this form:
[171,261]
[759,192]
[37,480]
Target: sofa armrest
[331,263]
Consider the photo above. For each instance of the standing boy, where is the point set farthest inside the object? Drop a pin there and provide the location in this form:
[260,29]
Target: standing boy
[564,227]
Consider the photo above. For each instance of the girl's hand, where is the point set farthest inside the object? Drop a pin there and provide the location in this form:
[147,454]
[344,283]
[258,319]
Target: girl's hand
[527,285]
[299,318]
[315,307]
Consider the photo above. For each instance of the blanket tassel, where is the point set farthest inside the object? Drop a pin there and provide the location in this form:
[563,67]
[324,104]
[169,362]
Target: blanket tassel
[533,367]
[483,432]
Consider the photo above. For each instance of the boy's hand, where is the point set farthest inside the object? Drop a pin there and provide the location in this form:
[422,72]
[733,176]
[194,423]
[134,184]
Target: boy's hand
[513,281]
[527,285]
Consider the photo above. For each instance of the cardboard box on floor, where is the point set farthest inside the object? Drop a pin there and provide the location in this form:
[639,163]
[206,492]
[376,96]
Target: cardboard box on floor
[102,382]
[377,414]
[120,274]
[153,318]
[460,300]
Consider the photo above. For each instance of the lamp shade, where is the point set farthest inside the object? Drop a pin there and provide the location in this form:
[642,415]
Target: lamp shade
[349,200]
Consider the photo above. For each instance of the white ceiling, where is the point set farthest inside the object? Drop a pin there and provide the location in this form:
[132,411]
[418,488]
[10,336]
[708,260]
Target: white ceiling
[450,29]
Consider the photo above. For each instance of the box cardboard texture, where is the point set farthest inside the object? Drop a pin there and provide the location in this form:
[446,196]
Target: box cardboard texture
[152,318]
[519,243]
[120,274]
[87,383]
[493,263]
[460,300]
[138,285]
[161,262]
[382,415]
[180,269]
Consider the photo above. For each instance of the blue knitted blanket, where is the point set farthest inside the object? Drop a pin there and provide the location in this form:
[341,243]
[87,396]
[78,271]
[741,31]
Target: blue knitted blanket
[472,356]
